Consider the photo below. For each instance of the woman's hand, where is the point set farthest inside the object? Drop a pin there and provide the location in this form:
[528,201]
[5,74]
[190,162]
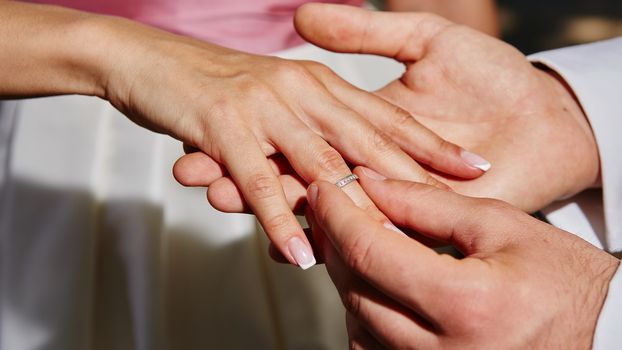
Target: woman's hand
[237,108]
[240,109]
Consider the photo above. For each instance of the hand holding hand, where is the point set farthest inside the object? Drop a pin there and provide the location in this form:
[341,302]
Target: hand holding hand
[239,109]
[473,90]
[522,283]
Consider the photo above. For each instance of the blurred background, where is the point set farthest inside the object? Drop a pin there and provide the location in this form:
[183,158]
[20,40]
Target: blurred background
[536,25]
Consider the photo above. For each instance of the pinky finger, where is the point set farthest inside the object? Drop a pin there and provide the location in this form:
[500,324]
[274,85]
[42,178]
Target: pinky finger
[197,169]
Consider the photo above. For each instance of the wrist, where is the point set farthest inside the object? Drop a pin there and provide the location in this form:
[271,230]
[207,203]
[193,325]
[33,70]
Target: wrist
[581,155]
[97,52]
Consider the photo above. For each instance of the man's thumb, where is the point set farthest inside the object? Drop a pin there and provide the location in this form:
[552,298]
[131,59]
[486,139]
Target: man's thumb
[341,28]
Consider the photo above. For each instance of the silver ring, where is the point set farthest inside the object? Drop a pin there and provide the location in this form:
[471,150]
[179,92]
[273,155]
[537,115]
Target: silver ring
[346,180]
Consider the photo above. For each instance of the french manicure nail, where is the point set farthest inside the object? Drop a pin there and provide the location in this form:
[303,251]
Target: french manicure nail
[475,160]
[312,195]
[301,252]
[393,228]
[372,174]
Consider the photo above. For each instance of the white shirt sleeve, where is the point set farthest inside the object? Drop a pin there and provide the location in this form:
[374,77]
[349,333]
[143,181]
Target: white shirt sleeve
[594,72]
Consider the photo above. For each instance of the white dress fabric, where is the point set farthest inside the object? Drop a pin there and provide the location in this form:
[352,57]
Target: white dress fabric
[594,72]
[101,249]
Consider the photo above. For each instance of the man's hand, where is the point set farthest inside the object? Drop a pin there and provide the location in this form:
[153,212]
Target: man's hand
[522,283]
[476,91]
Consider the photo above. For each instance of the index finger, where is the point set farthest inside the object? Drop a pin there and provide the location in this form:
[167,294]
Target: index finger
[391,262]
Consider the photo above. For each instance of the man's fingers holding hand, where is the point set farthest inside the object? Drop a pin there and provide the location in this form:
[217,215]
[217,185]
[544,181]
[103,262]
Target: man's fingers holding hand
[471,224]
[363,242]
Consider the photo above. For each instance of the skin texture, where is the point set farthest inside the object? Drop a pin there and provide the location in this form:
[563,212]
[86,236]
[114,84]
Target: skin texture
[235,107]
[523,284]
[471,89]
[478,91]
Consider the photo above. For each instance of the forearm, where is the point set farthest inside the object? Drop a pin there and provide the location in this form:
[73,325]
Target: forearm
[45,50]
[479,14]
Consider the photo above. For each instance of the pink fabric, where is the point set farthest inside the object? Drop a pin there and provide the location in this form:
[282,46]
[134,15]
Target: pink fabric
[260,26]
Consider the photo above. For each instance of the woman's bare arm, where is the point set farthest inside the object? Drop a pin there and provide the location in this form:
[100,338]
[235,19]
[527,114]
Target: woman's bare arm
[46,50]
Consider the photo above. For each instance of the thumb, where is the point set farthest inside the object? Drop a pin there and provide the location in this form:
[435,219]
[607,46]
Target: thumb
[471,224]
[341,28]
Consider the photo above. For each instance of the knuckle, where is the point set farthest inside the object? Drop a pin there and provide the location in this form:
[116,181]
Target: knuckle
[352,303]
[277,223]
[382,142]
[357,252]
[330,161]
[253,89]
[261,186]
[217,125]
[292,72]
[401,120]
[418,190]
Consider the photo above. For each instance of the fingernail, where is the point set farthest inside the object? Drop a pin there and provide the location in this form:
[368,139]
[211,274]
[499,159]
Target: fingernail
[301,252]
[372,174]
[312,195]
[475,161]
[393,228]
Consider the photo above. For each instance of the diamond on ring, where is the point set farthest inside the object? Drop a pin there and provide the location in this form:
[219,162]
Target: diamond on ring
[346,180]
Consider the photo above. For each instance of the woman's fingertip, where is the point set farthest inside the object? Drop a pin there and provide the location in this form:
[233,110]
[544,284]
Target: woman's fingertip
[301,252]
[475,160]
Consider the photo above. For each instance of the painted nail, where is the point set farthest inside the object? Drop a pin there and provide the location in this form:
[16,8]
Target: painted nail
[475,161]
[312,195]
[393,228]
[301,252]
[372,174]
